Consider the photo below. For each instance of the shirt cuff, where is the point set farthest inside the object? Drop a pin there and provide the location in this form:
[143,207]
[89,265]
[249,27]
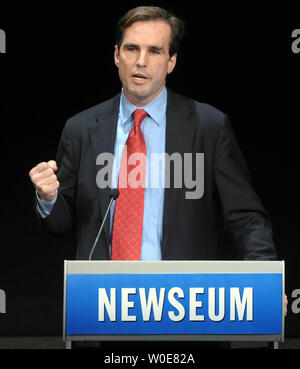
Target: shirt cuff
[44,207]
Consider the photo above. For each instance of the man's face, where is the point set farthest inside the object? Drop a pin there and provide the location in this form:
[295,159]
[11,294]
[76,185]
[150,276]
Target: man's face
[143,60]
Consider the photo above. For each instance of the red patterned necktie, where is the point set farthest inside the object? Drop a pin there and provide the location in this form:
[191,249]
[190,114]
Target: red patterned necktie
[129,210]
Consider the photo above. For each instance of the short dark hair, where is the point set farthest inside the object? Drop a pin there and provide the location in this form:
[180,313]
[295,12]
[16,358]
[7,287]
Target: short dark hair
[148,13]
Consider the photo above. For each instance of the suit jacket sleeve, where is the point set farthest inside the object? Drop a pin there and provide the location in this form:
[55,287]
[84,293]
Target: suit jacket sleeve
[61,220]
[244,215]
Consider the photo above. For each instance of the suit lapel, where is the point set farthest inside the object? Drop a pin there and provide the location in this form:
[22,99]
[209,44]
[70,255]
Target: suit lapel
[180,132]
[102,137]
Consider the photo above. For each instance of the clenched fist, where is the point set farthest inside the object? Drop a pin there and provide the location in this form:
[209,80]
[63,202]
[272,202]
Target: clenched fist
[44,180]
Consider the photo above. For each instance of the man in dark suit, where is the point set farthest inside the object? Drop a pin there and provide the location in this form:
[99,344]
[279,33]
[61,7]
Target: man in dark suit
[175,226]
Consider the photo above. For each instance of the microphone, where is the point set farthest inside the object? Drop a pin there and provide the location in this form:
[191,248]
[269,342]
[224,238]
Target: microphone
[114,194]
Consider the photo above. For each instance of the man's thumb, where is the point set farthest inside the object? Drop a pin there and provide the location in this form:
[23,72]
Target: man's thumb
[52,165]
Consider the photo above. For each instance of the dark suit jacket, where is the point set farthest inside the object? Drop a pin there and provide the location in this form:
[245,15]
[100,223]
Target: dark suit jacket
[192,229]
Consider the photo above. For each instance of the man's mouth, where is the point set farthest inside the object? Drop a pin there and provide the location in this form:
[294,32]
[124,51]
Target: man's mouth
[139,76]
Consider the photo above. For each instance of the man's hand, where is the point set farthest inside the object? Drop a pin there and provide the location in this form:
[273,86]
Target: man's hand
[44,180]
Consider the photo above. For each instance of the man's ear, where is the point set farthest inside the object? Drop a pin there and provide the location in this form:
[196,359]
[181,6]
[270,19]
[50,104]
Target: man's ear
[116,56]
[172,63]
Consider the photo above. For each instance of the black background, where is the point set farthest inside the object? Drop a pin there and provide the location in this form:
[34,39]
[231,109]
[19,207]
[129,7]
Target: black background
[59,61]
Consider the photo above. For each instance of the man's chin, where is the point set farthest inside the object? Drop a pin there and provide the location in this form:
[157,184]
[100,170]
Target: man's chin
[139,96]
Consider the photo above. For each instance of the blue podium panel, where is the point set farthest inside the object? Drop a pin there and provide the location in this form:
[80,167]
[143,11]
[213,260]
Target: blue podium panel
[173,304]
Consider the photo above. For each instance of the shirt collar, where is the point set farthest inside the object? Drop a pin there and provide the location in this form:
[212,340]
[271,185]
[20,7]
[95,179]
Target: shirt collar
[156,108]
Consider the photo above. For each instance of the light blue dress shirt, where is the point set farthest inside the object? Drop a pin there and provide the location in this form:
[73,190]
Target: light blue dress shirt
[154,131]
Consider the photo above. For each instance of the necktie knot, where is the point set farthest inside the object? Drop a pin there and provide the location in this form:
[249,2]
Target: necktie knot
[139,115]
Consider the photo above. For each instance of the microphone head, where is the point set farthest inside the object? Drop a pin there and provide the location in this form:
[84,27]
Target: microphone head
[114,193]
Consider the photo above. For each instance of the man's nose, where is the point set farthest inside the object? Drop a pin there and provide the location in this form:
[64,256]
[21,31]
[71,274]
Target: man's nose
[141,59]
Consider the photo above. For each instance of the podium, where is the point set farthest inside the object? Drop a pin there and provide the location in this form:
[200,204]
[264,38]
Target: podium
[173,300]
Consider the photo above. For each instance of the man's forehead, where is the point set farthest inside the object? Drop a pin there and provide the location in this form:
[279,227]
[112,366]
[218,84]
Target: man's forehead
[156,33]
